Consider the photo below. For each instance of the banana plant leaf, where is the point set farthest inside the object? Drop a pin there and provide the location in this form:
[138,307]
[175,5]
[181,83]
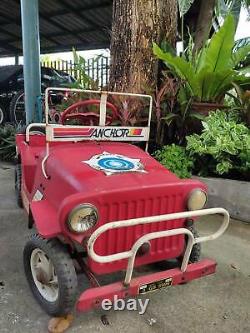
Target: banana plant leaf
[219,50]
[216,84]
[240,55]
[183,68]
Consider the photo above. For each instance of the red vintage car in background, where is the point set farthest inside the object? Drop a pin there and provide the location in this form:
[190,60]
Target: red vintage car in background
[98,200]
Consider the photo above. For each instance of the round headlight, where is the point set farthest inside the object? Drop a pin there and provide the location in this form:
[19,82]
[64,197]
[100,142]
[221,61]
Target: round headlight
[82,218]
[197,200]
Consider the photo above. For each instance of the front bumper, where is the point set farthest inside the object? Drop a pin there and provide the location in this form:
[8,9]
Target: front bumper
[130,287]
[93,297]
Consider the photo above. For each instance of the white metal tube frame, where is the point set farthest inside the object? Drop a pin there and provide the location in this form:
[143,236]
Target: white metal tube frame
[103,95]
[103,101]
[28,130]
[131,254]
[29,127]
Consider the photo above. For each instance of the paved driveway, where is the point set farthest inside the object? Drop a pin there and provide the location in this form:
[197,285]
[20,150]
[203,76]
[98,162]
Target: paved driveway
[218,303]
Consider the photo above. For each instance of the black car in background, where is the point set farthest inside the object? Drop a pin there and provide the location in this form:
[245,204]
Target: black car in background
[12,89]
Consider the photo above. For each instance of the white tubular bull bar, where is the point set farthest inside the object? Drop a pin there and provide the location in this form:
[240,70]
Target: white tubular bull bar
[131,254]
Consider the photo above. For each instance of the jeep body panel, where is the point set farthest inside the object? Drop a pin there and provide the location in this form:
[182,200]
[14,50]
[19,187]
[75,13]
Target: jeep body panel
[119,196]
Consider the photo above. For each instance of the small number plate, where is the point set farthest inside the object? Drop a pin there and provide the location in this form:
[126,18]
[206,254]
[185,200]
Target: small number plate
[153,286]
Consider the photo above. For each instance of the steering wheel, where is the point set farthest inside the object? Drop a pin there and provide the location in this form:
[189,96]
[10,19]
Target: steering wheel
[88,117]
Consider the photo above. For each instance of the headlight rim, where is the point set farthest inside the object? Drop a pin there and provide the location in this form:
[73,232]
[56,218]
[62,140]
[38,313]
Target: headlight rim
[75,209]
[190,195]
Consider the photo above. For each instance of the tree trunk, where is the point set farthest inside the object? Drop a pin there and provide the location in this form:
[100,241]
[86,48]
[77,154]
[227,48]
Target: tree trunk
[136,25]
[204,23]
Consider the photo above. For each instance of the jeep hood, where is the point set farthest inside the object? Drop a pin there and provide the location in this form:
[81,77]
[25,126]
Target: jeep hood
[68,163]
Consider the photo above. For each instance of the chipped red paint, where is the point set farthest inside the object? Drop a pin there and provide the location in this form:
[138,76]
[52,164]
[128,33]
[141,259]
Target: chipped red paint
[92,297]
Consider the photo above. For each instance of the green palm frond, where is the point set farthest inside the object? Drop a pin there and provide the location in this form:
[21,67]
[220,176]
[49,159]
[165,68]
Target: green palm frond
[213,73]
[220,46]
[180,66]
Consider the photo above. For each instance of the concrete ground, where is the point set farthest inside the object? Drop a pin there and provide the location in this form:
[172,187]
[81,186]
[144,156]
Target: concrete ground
[218,303]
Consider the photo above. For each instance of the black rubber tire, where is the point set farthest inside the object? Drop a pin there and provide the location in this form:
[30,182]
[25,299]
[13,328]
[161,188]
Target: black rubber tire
[2,114]
[65,271]
[196,251]
[13,109]
[18,184]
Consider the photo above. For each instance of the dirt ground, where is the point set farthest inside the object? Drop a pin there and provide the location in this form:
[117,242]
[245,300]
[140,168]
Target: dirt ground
[218,303]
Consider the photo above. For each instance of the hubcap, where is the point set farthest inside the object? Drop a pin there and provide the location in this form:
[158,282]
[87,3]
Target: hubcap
[44,275]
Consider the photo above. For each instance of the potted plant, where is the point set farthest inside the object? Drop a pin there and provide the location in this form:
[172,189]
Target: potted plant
[210,73]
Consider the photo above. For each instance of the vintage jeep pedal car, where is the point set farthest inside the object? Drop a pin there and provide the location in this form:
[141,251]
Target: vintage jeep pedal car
[96,199]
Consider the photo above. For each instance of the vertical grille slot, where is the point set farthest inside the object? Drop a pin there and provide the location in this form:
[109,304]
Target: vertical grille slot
[121,239]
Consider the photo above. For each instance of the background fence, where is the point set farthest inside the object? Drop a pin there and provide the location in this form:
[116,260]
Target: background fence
[95,68]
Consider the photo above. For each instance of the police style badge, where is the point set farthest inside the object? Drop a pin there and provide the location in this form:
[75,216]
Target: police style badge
[113,163]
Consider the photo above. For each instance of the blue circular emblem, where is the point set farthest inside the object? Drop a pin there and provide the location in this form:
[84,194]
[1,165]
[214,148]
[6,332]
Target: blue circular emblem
[115,163]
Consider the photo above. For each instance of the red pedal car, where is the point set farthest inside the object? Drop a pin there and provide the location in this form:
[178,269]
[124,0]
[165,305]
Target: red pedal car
[96,199]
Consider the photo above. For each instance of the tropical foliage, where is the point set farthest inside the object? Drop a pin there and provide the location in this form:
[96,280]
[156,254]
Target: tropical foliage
[84,81]
[210,73]
[176,159]
[244,65]
[222,147]
[7,143]
[223,7]
[184,6]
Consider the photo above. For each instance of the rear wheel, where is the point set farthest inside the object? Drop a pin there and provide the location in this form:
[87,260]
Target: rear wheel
[17,109]
[18,184]
[51,275]
[2,114]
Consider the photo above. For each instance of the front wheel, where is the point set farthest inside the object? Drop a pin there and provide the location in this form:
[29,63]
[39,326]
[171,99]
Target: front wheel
[51,275]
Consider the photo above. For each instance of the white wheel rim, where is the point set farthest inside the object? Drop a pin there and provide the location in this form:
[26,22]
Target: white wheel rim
[44,275]
[15,108]
[1,116]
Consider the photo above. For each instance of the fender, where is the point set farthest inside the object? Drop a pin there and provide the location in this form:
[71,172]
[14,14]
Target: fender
[45,219]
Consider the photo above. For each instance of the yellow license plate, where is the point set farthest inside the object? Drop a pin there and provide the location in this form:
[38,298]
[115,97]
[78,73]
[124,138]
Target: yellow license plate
[156,285]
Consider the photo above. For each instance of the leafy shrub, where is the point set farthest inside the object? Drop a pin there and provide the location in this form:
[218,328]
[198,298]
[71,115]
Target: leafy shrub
[176,159]
[7,143]
[222,147]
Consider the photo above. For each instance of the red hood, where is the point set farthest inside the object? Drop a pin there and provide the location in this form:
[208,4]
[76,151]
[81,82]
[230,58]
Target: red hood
[68,163]
[123,195]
